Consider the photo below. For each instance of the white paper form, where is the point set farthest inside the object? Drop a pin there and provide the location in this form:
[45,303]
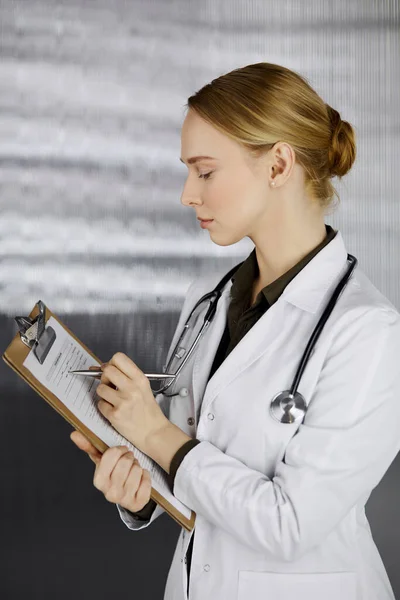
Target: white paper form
[78,393]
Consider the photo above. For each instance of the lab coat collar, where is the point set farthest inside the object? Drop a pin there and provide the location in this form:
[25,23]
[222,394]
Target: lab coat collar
[308,289]
[248,272]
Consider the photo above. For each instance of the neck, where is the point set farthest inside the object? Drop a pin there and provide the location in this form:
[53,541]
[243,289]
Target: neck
[283,246]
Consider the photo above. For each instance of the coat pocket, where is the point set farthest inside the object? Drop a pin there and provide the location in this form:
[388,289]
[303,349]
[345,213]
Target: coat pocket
[261,585]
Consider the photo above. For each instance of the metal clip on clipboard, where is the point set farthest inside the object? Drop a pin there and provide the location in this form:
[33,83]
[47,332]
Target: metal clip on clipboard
[35,334]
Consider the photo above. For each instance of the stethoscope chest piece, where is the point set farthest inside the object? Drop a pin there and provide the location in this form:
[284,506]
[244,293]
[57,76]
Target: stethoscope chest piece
[287,407]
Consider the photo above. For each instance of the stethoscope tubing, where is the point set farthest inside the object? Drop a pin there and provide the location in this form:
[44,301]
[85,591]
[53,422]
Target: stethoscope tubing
[206,322]
[321,323]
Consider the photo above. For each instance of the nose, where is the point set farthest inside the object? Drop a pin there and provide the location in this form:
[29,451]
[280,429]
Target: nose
[190,193]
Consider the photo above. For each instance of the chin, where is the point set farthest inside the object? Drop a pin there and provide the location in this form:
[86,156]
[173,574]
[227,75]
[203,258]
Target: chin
[221,240]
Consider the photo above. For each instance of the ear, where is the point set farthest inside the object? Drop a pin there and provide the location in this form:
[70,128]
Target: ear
[282,162]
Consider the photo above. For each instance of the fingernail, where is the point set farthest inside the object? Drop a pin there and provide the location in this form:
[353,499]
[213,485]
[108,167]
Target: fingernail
[103,365]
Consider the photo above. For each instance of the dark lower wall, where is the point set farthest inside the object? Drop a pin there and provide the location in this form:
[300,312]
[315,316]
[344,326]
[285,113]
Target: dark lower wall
[59,537]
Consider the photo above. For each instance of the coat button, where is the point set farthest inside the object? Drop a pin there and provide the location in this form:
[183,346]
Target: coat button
[206,567]
[210,416]
[183,392]
[190,421]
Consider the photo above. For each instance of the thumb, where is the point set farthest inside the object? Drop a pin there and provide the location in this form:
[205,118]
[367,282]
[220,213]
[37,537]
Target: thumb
[84,444]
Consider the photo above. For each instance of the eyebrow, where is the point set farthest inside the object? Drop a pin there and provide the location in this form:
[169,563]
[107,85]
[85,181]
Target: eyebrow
[195,159]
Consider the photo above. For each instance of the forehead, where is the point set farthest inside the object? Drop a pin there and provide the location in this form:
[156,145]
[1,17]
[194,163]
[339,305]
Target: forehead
[199,137]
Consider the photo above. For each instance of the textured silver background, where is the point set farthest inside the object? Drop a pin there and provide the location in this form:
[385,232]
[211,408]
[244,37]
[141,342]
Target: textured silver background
[91,105]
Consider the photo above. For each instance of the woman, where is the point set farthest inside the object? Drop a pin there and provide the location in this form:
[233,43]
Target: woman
[280,506]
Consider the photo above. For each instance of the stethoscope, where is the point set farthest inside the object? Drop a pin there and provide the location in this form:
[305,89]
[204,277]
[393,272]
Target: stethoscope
[288,406]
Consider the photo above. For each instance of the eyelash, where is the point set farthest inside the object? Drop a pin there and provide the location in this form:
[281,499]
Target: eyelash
[205,175]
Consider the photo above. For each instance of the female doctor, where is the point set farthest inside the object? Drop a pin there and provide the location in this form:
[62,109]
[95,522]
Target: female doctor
[278,487]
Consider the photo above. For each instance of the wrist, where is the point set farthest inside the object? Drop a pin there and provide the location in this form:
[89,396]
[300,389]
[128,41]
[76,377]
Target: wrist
[163,443]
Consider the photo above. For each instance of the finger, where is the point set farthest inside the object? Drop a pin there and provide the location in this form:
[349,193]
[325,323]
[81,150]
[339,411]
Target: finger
[113,375]
[107,393]
[132,485]
[127,366]
[122,468]
[106,409]
[83,444]
[109,459]
[115,490]
[143,493]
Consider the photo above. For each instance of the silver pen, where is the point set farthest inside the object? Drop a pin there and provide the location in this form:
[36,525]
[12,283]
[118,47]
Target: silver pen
[97,373]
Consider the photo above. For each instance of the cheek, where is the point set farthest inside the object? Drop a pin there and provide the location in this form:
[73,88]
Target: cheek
[232,193]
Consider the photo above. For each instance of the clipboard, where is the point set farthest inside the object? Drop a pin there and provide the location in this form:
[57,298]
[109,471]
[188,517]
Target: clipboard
[35,336]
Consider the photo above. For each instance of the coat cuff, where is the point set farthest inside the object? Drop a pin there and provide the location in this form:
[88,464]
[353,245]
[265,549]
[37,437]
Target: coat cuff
[135,523]
[178,458]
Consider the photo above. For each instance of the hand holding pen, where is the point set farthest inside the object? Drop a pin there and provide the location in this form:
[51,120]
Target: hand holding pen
[126,399]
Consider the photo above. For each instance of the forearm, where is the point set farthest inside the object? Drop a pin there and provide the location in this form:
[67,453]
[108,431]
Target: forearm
[163,444]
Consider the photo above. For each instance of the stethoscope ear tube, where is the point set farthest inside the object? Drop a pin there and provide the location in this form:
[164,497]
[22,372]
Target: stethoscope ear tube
[214,295]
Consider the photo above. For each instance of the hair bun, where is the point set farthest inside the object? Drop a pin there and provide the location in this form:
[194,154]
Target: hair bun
[342,149]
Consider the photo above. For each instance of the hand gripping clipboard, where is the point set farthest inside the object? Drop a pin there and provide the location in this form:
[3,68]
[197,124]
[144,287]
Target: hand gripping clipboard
[35,336]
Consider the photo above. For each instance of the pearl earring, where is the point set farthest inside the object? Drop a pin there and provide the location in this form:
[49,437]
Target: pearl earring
[273,182]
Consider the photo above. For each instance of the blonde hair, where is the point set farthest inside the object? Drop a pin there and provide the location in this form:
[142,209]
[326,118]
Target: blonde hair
[263,103]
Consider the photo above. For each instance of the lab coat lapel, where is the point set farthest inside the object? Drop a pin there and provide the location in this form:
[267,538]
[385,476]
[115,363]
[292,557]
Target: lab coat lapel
[208,347]
[259,340]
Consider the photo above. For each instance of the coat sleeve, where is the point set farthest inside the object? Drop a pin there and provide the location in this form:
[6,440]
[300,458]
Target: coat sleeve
[341,451]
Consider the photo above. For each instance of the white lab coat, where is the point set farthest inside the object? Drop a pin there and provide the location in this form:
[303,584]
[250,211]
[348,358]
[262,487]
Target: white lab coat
[280,507]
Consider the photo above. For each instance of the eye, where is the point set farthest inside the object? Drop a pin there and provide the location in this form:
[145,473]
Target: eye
[205,175]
